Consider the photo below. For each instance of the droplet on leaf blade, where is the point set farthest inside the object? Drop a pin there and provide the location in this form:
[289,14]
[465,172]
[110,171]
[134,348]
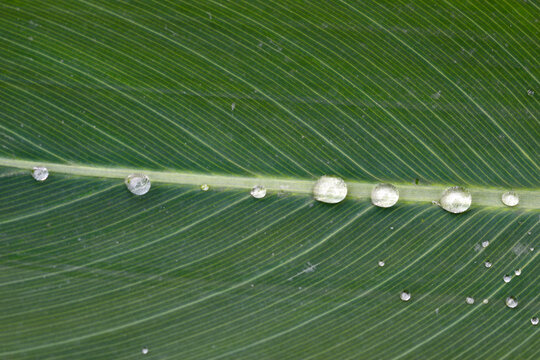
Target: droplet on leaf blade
[40,173]
[405,296]
[511,302]
[258,192]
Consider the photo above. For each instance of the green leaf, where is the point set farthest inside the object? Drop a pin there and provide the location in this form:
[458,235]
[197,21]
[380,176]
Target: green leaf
[236,94]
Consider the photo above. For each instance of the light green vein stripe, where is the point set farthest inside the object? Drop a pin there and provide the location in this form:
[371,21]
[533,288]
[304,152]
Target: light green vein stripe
[529,198]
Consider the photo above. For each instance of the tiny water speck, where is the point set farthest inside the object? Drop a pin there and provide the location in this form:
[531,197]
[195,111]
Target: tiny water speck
[456,200]
[534,321]
[405,296]
[40,173]
[233,105]
[469,300]
[485,244]
[384,195]
[485,301]
[138,184]
[258,192]
[487,264]
[507,278]
[510,198]
[511,302]
[330,189]
[205,187]
[144,351]
[381,263]
[530,92]
[517,272]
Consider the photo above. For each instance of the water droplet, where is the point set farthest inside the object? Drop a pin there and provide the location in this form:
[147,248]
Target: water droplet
[510,198]
[507,278]
[456,200]
[405,296]
[384,195]
[511,302]
[487,264]
[485,244]
[144,351]
[436,95]
[469,300]
[138,184]
[258,192]
[530,92]
[381,263]
[233,105]
[330,189]
[205,187]
[485,301]
[534,321]
[517,272]
[40,173]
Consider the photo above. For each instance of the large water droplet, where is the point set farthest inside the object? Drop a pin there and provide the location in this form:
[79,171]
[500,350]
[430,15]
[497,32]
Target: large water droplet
[469,300]
[40,173]
[258,192]
[510,198]
[384,195]
[138,184]
[534,320]
[405,296]
[456,200]
[511,302]
[205,187]
[507,278]
[330,189]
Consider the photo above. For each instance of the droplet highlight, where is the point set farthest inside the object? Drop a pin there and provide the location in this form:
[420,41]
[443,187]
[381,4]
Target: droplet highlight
[507,278]
[485,244]
[205,187]
[258,192]
[144,351]
[456,200]
[330,189]
[138,184]
[40,173]
[485,301]
[487,264]
[510,198]
[517,272]
[381,263]
[511,302]
[534,321]
[469,300]
[384,195]
[405,296]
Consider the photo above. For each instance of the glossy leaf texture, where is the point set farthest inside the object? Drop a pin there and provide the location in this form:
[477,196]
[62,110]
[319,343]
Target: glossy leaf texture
[434,94]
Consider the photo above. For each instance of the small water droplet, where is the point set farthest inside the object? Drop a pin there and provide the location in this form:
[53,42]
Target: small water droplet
[330,189]
[405,296]
[258,192]
[381,263]
[534,321]
[205,187]
[507,278]
[456,200]
[436,95]
[510,198]
[530,92]
[469,300]
[384,195]
[144,351]
[487,264]
[485,301]
[138,184]
[517,272]
[511,302]
[485,244]
[233,105]
[40,173]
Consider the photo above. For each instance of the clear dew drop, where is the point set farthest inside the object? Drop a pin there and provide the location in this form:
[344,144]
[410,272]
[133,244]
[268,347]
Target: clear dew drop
[487,264]
[485,244]
[144,351]
[507,278]
[534,321]
[485,301]
[517,272]
[456,200]
[40,173]
[330,189]
[138,184]
[510,198]
[405,296]
[384,195]
[381,263]
[205,187]
[258,192]
[469,300]
[511,302]
[530,92]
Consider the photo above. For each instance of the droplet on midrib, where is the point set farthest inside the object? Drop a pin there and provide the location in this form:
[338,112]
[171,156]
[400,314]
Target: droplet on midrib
[138,184]
[40,173]
[330,189]
[205,187]
[511,302]
[456,200]
[384,195]
[510,198]
[405,296]
[258,192]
